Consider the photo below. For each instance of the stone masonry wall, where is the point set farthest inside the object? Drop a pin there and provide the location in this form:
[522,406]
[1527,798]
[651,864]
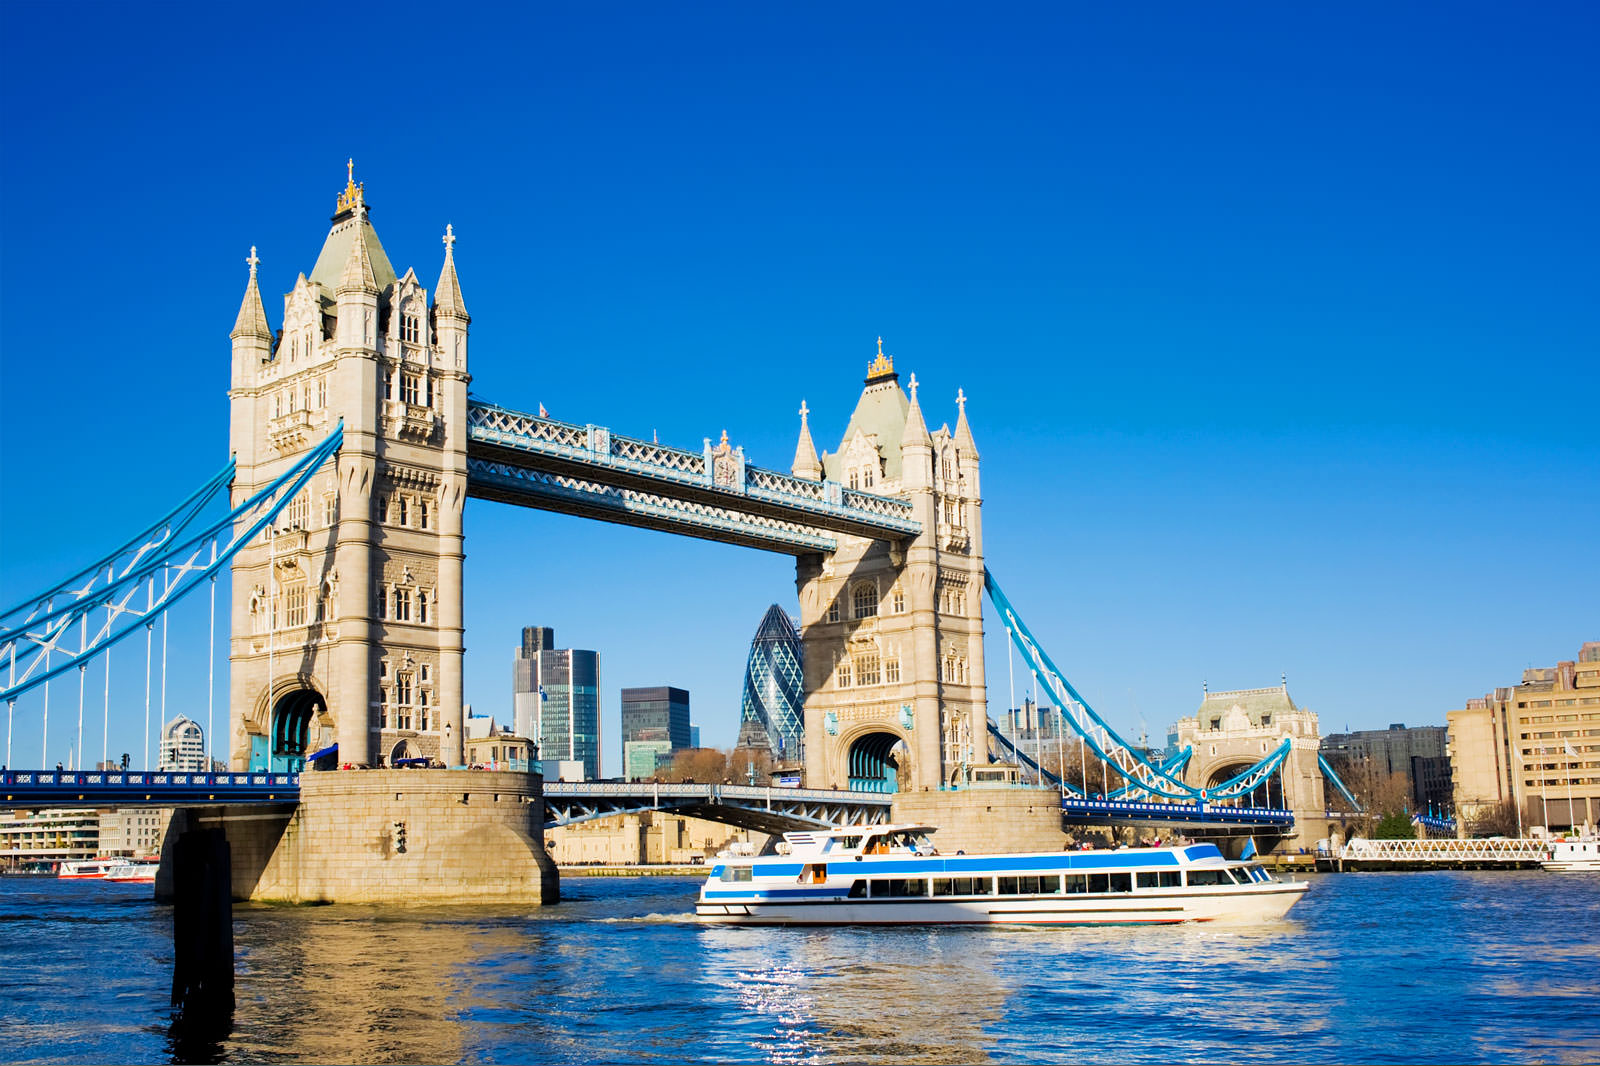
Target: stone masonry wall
[1000,821]
[469,836]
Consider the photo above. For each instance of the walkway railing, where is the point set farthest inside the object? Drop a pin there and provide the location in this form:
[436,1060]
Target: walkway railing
[1121,812]
[1490,851]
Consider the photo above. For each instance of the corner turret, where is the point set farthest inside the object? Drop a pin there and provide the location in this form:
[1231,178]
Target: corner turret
[806,463]
[252,337]
[450,318]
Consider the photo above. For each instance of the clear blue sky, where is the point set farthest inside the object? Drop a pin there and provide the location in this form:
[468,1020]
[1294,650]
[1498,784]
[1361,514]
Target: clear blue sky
[1279,323]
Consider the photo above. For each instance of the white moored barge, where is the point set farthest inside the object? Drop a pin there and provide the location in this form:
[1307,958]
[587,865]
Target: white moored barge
[892,874]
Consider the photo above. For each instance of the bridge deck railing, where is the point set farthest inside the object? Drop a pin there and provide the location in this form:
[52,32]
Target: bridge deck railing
[160,779]
[1489,849]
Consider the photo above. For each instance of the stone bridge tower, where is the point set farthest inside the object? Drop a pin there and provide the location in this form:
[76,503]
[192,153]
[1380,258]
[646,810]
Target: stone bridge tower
[346,621]
[892,633]
[1233,731]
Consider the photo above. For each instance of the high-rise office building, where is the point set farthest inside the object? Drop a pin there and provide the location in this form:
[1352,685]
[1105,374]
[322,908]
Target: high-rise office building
[556,699]
[773,706]
[183,746]
[655,724]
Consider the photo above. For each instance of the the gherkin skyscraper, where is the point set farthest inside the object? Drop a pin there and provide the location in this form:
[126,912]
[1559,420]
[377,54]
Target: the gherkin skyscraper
[772,712]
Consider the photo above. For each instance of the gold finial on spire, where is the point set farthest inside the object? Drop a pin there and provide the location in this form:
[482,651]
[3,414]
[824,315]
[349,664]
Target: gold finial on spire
[881,367]
[353,194]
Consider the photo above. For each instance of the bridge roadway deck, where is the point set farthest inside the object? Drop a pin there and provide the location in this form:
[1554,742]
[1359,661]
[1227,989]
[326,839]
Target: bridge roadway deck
[762,808]
[1183,815]
[134,788]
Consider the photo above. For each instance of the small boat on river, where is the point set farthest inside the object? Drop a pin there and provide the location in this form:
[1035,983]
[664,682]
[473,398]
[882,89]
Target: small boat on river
[1566,855]
[86,869]
[892,874]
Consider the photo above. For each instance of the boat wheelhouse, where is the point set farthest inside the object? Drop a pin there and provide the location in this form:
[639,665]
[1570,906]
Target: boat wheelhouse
[892,874]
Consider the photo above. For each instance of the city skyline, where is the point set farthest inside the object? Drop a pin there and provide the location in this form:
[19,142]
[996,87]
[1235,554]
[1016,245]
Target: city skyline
[1265,366]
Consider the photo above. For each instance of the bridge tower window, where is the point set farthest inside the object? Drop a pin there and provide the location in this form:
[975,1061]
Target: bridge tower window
[411,329]
[866,669]
[833,611]
[855,479]
[842,674]
[383,602]
[899,600]
[866,478]
[408,388]
[422,612]
[402,604]
[404,503]
[422,513]
[388,385]
[891,670]
[864,600]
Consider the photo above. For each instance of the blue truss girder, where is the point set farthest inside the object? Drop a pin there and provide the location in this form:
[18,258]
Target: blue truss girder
[1108,811]
[1143,776]
[596,455]
[35,649]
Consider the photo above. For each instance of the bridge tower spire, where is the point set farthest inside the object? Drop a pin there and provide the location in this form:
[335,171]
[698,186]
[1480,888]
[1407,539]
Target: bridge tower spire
[347,620]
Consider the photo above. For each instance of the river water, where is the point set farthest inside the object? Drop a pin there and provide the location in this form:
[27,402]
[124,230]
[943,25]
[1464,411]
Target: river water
[1434,967]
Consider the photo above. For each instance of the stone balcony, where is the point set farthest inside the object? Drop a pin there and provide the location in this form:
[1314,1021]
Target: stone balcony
[290,432]
[409,421]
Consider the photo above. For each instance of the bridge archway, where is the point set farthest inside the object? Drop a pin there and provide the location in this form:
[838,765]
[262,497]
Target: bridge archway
[875,760]
[1255,798]
[289,739]
[403,749]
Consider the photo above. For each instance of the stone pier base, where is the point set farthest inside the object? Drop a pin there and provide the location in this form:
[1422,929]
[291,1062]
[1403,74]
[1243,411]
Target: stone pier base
[979,820]
[388,836]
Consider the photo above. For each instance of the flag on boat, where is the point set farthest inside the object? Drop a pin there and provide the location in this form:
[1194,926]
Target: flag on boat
[1249,851]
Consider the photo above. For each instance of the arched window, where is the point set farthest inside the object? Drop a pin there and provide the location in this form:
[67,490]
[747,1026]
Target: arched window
[864,600]
[833,611]
[866,478]
[422,607]
[899,600]
[855,479]
[842,675]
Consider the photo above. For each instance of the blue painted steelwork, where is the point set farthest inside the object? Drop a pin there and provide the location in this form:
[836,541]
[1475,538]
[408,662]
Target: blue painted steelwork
[126,788]
[1119,812]
[1142,775]
[870,768]
[1327,771]
[36,637]
[1027,760]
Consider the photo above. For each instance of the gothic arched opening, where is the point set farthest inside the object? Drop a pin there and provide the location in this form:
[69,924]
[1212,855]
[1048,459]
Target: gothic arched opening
[292,716]
[1258,797]
[875,762]
[403,749]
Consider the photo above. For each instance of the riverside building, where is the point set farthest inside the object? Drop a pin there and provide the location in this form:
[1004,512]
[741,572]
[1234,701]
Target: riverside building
[183,747]
[1536,744]
[772,708]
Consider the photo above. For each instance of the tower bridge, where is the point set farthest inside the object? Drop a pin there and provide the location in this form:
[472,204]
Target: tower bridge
[355,447]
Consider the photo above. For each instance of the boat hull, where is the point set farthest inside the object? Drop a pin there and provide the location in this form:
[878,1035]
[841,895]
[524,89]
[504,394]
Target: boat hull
[1255,903]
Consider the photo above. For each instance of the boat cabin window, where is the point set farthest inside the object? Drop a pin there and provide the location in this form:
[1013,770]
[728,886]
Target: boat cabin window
[1206,878]
[1118,882]
[1257,872]
[814,873]
[1159,879]
[858,889]
[963,886]
[845,843]
[1030,885]
[1076,883]
[737,873]
[899,886]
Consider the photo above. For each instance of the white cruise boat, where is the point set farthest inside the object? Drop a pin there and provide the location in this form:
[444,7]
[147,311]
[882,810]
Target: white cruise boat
[892,874]
[142,871]
[87,869]
[1573,855]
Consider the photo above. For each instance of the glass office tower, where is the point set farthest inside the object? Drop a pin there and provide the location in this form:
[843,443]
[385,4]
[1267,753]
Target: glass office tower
[774,690]
[556,699]
[655,724]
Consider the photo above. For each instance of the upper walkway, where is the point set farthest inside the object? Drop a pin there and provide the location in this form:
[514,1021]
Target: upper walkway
[589,471]
[1184,815]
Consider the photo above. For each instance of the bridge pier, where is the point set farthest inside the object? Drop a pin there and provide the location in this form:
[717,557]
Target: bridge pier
[386,836]
[979,820]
